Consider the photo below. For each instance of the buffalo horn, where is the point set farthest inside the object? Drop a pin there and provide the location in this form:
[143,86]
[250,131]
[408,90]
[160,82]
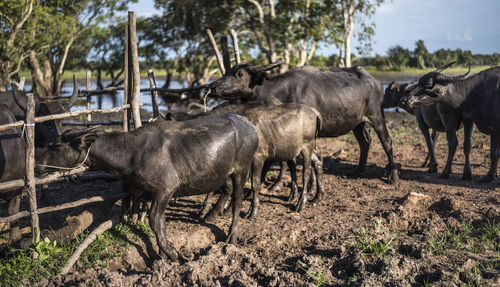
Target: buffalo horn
[442,79]
[267,67]
[439,70]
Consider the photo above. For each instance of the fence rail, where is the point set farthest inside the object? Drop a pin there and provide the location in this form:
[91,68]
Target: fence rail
[30,182]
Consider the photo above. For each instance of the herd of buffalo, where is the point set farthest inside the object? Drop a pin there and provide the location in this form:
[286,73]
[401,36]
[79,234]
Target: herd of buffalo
[265,119]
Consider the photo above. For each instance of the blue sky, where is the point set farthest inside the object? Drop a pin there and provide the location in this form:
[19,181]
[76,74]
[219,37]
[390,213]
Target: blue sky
[466,24]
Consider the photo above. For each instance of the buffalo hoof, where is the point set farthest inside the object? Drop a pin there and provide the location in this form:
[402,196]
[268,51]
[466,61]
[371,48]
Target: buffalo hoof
[487,178]
[232,237]
[433,168]
[467,176]
[172,255]
[393,176]
[252,213]
[444,175]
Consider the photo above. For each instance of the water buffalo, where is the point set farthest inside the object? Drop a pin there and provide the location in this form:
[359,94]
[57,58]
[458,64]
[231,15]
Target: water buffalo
[440,118]
[165,159]
[476,97]
[347,99]
[46,134]
[285,130]
[12,165]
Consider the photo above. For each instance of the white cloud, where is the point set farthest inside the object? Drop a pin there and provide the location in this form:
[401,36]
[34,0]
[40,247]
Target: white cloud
[465,37]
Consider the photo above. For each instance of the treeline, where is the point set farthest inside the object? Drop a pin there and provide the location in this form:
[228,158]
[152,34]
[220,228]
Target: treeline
[399,58]
[49,37]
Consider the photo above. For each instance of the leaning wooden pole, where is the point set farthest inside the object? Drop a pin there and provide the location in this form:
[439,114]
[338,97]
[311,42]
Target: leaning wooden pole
[30,166]
[226,58]
[89,98]
[236,48]
[216,51]
[136,76]
[125,82]
[154,94]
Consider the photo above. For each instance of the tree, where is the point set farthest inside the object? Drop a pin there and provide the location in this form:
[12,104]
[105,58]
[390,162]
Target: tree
[54,28]
[354,11]
[398,56]
[421,54]
[13,17]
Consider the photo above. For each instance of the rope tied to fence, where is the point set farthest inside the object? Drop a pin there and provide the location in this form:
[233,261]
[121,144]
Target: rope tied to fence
[66,168]
[205,100]
[24,128]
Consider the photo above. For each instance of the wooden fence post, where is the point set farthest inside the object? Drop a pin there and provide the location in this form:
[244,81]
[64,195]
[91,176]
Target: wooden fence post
[225,53]
[125,83]
[236,48]
[136,76]
[30,166]
[89,98]
[154,94]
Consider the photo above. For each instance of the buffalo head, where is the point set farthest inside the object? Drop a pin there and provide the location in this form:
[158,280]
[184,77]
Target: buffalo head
[240,80]
[393,94]
[47,133]
[431,87]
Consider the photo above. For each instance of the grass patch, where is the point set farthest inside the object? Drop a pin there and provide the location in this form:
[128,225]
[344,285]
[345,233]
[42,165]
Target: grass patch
[319,275]
[17,267]
[375,248]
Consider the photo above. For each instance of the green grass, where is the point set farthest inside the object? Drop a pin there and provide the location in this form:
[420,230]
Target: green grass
[375,248]
[82,74]
[319,275]
[17,265]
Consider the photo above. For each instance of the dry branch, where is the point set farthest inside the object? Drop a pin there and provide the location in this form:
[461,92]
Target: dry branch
[136,76]
[216,51]
[92,236]
[13,125]
[30,166]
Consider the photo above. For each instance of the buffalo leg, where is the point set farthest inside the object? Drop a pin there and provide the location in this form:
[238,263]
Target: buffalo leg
[222,201]
[384,137]
[238,183]
[206,206]
[281,178]
[256,187]
[306,173]
[494,153]
[14,202]
[317,163]
[362,134]
[157,221]
[468,125]
[293,185]
[430,143]
[450,125]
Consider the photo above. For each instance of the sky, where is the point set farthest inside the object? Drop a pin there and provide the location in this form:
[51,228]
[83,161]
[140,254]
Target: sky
[466,24]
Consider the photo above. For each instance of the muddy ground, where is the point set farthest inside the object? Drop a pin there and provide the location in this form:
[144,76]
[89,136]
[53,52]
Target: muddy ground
[426,231]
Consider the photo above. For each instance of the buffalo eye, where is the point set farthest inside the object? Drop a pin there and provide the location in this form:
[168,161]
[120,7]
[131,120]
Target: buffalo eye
[239,74]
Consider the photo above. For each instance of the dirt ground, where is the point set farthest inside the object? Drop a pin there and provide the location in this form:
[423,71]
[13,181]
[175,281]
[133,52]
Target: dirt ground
[365,232]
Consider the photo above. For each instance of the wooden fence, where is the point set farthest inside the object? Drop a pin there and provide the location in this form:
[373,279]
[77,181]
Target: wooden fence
[130,108]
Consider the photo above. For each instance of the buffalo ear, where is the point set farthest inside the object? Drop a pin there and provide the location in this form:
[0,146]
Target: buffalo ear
[391,85]
[403,87]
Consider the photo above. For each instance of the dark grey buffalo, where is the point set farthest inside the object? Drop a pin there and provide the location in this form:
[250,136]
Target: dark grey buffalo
[12,165]
[46,133]
[476,97]
[347,99]
[285,131]
[440,118]
[166,159]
